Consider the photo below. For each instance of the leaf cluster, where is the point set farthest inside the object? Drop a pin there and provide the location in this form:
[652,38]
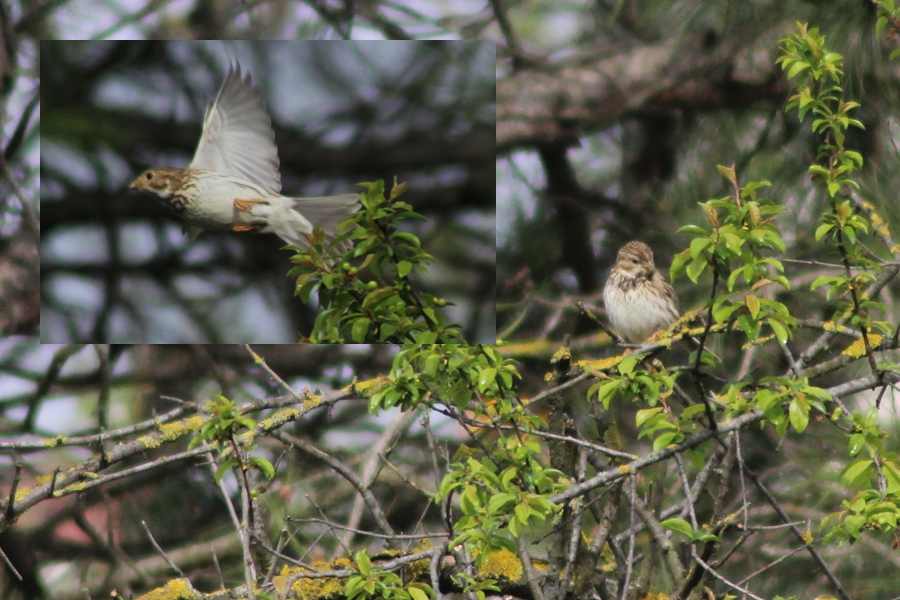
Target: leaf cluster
[460,376]
[876,470]
[222,429]
[502,482]
[806,58]
[374,583]
[377,300]
[741,227]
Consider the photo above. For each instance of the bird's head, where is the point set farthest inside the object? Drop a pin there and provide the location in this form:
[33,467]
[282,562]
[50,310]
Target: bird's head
[159,182]
[635,259]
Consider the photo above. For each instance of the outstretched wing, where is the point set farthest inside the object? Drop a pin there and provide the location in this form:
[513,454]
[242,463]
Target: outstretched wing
[237,135]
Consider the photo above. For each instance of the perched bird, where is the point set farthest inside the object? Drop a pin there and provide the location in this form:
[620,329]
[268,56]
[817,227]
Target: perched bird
[233,182]
[639,301]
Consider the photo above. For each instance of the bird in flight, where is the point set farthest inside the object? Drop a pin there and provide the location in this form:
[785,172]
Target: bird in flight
[233,182]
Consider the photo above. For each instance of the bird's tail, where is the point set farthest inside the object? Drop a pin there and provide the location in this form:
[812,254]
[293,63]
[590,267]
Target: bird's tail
[327,212]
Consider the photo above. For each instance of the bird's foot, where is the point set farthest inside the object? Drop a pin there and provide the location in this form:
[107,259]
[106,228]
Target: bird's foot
[246,205]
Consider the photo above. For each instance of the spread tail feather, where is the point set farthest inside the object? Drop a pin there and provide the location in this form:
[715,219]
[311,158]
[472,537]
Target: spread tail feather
[327,212]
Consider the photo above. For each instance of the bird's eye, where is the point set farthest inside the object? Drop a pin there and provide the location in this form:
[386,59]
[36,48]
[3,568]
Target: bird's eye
[634,260]
[149,176]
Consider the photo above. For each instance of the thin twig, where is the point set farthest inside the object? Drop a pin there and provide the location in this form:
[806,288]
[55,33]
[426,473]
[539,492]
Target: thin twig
[162,552]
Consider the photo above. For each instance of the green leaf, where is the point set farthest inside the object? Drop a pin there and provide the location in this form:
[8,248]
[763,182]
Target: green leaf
[426,337]
[644,415]
[664,440]
[798,411]
[856,471]
[797,68]
[410,238]
[486,378]
[626,367]
[825,280]
[698,245]
[693,229]
[692,410]
[678,525]
[728,173]
[782,333]
[695,269]
[732,279]
[355,587]
[678,263]
[733,242]
[724,312]
[523,512]
[363,563]
[818,392]
[468,500]
[498,501]
[515,527]
[403,268]
[224,468]
[857,443]
[752,303]
[606,392]
[264,466]
[359,329]
[417,594]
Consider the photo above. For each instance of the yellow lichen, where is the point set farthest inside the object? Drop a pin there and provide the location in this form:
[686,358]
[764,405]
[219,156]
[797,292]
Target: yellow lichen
[279,418]
[562,353]
[172,431]
[595,366]
[502,564]
[858,348]
[368,387]
[22,492]
[419,570]
[607,560]
[177,589]
[75,487]
[311,401]
[314,589]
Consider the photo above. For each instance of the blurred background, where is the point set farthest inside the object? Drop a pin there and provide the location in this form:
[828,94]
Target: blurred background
[116,267]
[19,156]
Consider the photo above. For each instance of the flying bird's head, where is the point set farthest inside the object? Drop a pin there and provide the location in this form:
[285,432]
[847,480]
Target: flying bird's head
[159,182]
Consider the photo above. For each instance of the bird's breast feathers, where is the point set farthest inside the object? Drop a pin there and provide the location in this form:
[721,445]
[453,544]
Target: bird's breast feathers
[215,194]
